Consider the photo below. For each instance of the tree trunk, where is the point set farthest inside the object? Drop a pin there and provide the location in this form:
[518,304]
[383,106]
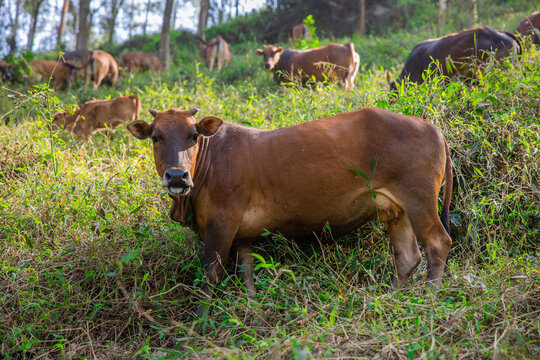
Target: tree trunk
[362,14]
[13,39]
[203,18]
[32,31]
[166,34]
[83,36]
[442,15]
[65,9]
[174,13]
[146,17]
[115,7]
[236,6]
[473,15]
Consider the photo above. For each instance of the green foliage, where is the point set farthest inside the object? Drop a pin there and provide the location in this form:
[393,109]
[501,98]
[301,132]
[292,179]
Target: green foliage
[91,265]
[312,41]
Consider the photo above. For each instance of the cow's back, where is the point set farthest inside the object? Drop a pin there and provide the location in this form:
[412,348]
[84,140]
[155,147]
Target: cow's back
[530,26]
[274,173]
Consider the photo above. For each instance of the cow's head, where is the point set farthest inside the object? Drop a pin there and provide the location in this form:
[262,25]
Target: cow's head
[174,134]
[271,55]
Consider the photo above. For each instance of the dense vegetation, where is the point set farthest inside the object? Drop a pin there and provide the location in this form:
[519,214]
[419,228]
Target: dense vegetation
[92,267]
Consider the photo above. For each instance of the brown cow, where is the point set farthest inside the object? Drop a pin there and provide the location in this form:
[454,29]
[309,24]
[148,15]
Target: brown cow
[299,32]
[215,51]
[99,114]
[530,27]
[60,72]
[458,54]
[134,61]
[334,61]
[100,66]
[235,182]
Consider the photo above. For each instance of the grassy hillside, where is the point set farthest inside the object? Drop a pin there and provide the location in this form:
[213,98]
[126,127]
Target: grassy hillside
[92,267]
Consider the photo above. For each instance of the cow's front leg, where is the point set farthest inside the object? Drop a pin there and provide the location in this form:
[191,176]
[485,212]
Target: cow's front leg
[218,237]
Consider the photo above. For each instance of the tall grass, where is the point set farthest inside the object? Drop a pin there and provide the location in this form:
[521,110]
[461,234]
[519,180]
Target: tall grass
[92,267]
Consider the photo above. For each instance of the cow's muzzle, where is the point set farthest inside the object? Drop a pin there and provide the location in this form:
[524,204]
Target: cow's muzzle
[177,181]
[268,65]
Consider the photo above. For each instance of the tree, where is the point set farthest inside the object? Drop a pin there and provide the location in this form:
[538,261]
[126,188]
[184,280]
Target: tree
[166,34]
[362,16]
[442,14]
[473,14]
[32,7]
[65,9]
[14,27]
[83,36]
[203,18]
[111,19]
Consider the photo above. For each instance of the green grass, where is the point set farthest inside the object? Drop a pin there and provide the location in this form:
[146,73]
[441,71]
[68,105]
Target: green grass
[92,267]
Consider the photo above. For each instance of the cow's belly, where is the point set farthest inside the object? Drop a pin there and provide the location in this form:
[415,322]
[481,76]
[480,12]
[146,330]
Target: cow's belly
[314,215]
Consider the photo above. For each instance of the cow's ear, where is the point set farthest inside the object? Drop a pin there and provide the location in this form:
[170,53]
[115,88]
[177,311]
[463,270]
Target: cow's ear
[209,125]
[279,49]
[140,129]
[258,52]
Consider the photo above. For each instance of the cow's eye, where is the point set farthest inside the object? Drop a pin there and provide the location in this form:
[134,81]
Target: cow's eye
[154,139]
[195,136]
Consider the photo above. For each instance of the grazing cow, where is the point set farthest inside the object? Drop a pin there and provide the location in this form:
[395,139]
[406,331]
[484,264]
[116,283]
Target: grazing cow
[76,58]
[334,61]
[100,66]
[234,182]
[99,114]
[299,32]
[5,71]
[215,51]
[458,54]
[60,72]
[134,61]
[530,27]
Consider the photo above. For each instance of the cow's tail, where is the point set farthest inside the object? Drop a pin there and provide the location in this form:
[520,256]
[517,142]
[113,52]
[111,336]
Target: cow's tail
[354,65]
[201,39]
[447,190]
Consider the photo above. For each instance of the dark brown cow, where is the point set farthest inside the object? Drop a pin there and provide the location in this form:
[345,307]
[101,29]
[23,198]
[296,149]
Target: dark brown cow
[99,114]
[334,61]
[215,51]
[5,71]
[233,182]
[299,32]
[60,72]
[530,27]
[134,61]
[458,54]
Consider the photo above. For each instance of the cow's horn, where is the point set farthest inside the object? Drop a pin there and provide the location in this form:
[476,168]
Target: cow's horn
[193,111]
[153,112]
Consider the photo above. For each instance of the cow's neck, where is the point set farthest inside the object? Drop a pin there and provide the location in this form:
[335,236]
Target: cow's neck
[182,210]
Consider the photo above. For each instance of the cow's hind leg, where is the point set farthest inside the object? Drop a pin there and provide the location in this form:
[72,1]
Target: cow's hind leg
[435,241]
[405,248]
[245,260]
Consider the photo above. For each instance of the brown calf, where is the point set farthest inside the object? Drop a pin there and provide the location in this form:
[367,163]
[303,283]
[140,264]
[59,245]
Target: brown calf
[60,72]
[334,61]
[530,27]
[215,51]
[99,114]
[134,61]
[458,54]
[233,182]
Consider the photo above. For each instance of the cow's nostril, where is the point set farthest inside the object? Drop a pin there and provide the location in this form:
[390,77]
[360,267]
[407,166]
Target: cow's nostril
[185,176]
[267,65]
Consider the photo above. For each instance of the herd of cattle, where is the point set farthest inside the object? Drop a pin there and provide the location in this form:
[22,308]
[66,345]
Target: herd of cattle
[234,182]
